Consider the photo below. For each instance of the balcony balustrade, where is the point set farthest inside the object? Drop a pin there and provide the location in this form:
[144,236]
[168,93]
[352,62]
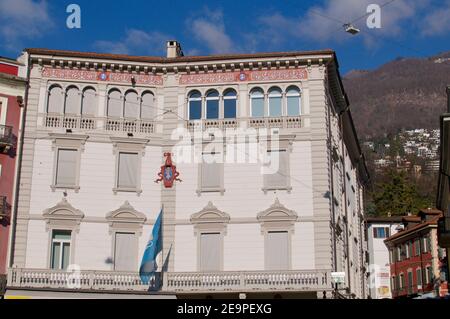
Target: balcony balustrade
[283,122]
[192,282]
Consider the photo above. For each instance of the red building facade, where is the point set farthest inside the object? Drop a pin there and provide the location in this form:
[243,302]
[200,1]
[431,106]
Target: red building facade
[12,89]
[417,263]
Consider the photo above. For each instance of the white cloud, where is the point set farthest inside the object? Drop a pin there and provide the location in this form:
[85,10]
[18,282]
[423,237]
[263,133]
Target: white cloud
[437,22]
[210,31]
[23,19]
[135,42]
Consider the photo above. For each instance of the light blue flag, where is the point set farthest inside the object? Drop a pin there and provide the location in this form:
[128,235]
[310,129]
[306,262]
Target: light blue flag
[154,246]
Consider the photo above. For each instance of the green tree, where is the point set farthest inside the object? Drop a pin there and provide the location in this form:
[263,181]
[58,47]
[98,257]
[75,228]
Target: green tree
[397,195]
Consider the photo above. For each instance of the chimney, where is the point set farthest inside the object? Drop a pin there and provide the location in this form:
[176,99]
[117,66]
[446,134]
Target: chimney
[448,99]
[174,49]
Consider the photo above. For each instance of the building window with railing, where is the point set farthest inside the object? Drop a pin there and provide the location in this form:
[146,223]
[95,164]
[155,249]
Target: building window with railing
[257,103]
[55,100]
[114,104]
[294,102]
[419,277]
[195,105]
[275,102]
[230,104]
[212,105]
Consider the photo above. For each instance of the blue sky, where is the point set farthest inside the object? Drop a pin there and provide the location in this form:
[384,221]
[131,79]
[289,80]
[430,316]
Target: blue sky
[141,27]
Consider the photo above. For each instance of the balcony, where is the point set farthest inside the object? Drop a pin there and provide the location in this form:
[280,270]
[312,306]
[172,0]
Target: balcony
[4,208]
[92,123]
[7,139]
[284,122]
[252,281]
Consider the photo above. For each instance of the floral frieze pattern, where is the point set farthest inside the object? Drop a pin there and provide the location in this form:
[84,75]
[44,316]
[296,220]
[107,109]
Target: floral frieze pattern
[85,75]
[245,76]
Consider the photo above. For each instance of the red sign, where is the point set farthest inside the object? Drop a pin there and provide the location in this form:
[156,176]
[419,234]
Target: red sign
[168,172]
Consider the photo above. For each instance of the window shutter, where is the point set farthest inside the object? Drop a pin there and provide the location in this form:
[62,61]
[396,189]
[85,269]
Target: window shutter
[277,251]
[66,167]
[280,178]
[127,170]
[73,101]
[125,252]
[210,252]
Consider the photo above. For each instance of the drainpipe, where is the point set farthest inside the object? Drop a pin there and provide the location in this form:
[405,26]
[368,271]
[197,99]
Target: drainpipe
[19,167]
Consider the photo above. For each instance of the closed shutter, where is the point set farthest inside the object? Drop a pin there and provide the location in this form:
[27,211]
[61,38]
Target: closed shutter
[210,251]
[277,251]
[125,252]
[211,175]
[127,170]
[279,178]
[66,167]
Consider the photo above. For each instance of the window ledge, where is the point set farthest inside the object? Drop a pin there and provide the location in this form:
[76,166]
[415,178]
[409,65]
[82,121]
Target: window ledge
[74,187]
[279,188]
[116,190]
[210,190]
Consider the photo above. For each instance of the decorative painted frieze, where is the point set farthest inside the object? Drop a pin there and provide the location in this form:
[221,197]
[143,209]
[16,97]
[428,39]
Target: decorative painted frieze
[245,76]
[85,75]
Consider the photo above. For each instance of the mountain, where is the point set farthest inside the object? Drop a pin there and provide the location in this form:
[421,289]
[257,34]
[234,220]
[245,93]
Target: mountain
[405,93]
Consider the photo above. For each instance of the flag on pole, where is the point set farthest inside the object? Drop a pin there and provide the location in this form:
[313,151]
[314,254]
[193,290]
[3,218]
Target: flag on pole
[154,246]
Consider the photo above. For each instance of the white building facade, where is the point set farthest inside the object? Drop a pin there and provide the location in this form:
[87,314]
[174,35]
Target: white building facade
[378,229]
[97,129]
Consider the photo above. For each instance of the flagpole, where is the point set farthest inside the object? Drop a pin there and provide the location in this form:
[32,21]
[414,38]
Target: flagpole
[162,245]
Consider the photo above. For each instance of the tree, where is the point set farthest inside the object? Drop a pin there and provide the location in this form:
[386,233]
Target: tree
[397,195]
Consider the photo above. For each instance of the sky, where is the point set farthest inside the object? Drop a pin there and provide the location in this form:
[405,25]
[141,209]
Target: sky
[409,28]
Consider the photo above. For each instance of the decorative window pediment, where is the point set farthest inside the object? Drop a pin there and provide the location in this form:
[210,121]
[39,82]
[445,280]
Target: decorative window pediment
[277,217]
[63,215]
[126,218]
[210,219]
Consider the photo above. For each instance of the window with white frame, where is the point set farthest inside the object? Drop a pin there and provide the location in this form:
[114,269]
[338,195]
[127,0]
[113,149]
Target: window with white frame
[275,102]
[127,175]
[73,101]
[380,232]
[60,249]
[210,252]
[132,105]
[195,105]
[277,250]
[89,102]
[66,168]
[212,105]
[148,106]
[114,104]
[276,170]
[55,100]
[419,276]
[293,101]
[257,102]
[229,104]
[125,251]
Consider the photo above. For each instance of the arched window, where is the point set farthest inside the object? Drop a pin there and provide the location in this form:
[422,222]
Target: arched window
[275,98]
[257,102]
[229,104]
[195,105]
[73,101]
[114,103]
[212,105]
[131,105]
[89,104]
[55,102]
[148,106]
[294,104]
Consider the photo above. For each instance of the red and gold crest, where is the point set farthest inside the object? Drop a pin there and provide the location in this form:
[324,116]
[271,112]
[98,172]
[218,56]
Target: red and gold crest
[168,172]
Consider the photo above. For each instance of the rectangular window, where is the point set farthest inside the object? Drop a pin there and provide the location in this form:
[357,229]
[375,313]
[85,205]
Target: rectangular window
[60,249]
[212,109]
[66,167]
[417,247]
[277,170]
[125,252]
[402,281]
[380,232]
[210,252]
[211,172]
[229,108]
[195,109]
[257,106]
[410,279]
[277,251]
[128,168]
[399,253]
[419,277]
[293,105]
[430,275]
[275,106]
